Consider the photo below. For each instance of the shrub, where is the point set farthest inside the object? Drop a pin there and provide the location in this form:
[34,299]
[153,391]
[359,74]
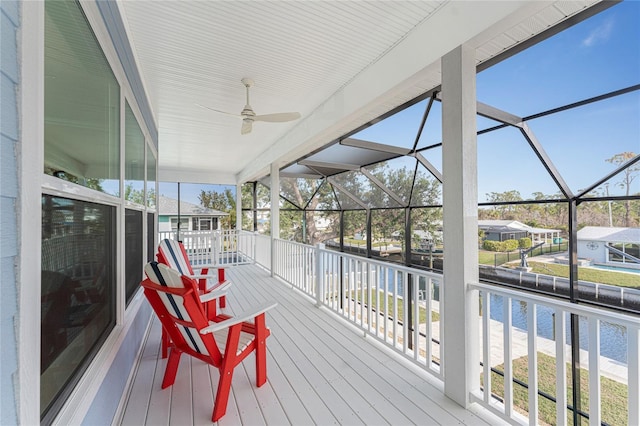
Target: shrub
[510,245]
[524,243]
[491,245]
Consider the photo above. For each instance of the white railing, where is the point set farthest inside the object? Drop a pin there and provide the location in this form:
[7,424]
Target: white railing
[523,335]
[513,324]
[226,247]
[381,298]
[262,253]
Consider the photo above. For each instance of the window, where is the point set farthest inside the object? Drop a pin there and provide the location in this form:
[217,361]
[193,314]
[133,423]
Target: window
[82,103]
[184,223]
[151,232]
[151,178]
[133,251]
[134,165]
[78,292]
[201,223]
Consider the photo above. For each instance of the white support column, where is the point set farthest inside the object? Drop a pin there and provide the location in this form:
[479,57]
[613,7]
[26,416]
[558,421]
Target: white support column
[239,207]
[275,212]
[31,158]
[461,353]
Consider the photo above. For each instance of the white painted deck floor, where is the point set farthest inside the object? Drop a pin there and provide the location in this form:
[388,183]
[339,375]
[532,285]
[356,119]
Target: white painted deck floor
[320,371]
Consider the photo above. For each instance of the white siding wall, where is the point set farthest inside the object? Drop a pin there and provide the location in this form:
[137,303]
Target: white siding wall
[599,255]
[9,75]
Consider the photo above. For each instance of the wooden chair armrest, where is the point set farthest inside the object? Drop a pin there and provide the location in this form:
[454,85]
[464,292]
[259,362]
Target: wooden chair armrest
[216,293]
[243,317]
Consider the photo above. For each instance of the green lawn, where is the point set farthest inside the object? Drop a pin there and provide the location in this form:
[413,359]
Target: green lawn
[613,394]
[620,279]
[486,257]
[379,306]
[363,243]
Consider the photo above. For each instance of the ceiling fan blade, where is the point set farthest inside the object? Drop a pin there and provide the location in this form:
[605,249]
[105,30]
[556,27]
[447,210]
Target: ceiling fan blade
[247,125]
[221,112]
[279,117]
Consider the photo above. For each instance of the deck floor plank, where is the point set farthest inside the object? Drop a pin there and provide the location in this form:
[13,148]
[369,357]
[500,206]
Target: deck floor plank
[320,371]
[436,404]
[142,387]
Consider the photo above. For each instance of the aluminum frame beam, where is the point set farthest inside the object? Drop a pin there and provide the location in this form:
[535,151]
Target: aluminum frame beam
[383,187]
[546,160]
[357,200]
[426,163]
[327,165]
[375,146]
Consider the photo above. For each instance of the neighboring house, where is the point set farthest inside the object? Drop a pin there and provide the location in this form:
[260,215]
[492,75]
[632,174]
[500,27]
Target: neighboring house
[502,230]
[192,217]
[603,244]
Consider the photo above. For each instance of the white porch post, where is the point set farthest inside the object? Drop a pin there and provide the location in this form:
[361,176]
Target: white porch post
[31,158]
[239,207]
[460,207]
[275,212]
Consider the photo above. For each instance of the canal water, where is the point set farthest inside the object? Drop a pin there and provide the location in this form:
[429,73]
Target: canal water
[613,337]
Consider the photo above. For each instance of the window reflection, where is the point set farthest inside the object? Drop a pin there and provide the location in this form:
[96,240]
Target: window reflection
[82,103]
[78,289]
[134,165]
[151,179]
[133,249]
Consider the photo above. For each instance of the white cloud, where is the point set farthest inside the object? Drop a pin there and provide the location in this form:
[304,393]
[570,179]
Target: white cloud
[599,34]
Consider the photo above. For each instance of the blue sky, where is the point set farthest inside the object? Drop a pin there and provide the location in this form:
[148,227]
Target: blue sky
[597,56]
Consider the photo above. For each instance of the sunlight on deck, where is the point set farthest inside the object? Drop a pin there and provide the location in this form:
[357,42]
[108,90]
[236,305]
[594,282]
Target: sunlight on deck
[320,371]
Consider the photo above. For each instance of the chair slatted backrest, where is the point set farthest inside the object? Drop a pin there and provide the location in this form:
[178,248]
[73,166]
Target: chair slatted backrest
[172,253]
[175,300]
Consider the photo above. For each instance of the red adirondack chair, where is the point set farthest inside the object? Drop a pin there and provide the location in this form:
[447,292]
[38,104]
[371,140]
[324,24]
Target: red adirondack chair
[173,254]
[224,344]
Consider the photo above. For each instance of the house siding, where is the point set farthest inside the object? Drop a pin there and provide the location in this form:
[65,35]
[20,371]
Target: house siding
[9,128]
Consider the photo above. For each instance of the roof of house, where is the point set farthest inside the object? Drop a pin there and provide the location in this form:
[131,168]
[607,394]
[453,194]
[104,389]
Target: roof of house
[511,225]
[169,207]
[612,234]
[503,229]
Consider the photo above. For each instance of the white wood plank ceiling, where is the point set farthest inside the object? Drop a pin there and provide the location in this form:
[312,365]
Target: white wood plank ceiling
[338,63]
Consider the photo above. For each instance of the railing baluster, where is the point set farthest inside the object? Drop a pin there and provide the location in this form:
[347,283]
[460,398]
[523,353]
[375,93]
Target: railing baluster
[508,371]
[633,366]
[416,316]
[429,318]
[532,332]
[369,298]
[361,281]
[395,309]
[594,372]
[378,310]
[405,314]
[486,345]
[560,325]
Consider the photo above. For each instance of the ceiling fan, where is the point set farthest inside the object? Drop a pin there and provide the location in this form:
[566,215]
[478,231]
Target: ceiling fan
[248,116]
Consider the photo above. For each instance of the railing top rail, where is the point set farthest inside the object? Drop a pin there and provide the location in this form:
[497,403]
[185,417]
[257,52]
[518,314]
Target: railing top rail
[588,311]
[385,264]
[295,243]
